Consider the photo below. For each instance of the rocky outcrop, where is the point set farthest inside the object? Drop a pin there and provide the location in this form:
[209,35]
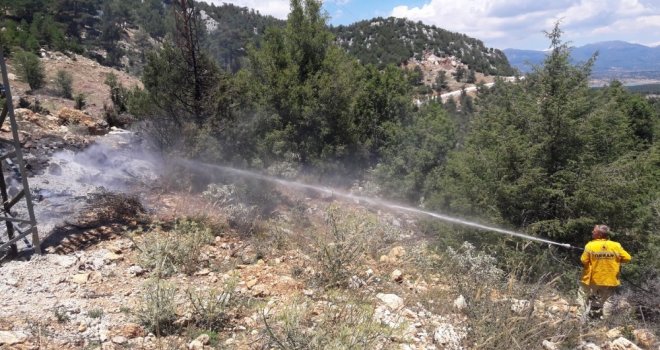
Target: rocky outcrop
[69,116]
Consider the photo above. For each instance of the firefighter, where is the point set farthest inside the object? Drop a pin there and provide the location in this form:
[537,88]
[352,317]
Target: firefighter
[601,261]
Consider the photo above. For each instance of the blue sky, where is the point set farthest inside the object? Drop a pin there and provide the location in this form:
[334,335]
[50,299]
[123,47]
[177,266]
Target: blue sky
[502,23]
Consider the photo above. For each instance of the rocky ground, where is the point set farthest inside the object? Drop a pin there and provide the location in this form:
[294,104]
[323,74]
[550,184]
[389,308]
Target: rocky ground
[234,275]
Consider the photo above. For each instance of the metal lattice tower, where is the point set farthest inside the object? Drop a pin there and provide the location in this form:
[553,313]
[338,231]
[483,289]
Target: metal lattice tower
[17,227]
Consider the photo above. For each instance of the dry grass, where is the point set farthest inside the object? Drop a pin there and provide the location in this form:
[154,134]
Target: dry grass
[166,252]
[338,323]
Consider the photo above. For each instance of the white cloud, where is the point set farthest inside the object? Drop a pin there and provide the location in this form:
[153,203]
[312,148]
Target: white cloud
[276,8]
[520,23]
[338,2]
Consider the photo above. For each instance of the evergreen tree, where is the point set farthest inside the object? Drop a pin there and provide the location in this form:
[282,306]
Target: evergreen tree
[441,83]
[537,155]
[460,72]
[64,82]
[30,69]
[308,84]
[185,87]
[419,147]
[471,77]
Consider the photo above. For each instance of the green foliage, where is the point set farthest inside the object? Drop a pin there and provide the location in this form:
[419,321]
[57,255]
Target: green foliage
[63,83]
[153,16]
[30,69]
[75,15]
[441,83]
[95,313]
[187,97]
[177,250]
[382,106]
[118,93]
[459,74]
[307,87]
[471,77]
[79,101]
[550,156]
[418,148]
[237,27]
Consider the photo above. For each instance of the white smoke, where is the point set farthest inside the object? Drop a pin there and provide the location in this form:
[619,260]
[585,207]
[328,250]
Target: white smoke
[116,162]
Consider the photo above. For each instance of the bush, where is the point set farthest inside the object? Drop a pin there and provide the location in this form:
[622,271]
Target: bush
[500,310]
[30,69]
[157,309]
[342,324]
[243,218]
[118,93]
[79,102]
[341,249]
[209,307]
[63,83]
[176,250]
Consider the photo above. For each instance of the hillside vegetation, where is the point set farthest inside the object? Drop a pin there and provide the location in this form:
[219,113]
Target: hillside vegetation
[383,41]
[251,262]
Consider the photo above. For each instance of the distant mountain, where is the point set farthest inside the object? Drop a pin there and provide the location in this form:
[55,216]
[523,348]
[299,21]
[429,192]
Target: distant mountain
[394,40]
[616,59]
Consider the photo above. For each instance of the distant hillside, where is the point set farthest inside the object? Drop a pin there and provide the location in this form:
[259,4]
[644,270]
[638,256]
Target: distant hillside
[394,40]
[118,33]
[231,28]
[616,60]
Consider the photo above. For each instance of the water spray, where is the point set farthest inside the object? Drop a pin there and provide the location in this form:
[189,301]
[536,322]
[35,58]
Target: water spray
[369,200]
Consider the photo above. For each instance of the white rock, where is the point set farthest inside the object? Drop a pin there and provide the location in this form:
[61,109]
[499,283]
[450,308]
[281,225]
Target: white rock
[460,303]
[135,270]
[446,337]
[622,343]
[11,281]
[12,338]
[589,346]
[63,260]
[103,335]
[383,315]
[396,275]
[118,339]
[519,305]
[548,345]
[203,338]
[393,301]
[614,333]
[195,345]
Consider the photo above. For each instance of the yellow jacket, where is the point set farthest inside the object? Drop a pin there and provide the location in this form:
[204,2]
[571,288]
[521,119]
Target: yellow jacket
[601,260]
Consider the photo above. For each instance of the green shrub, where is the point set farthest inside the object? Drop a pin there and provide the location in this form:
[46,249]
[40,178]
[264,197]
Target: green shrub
[209,307]
[61,315]
[63,83]
[95,313]
[30,69]
[157,309]
[79,102]
[342,248]
[176,250]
